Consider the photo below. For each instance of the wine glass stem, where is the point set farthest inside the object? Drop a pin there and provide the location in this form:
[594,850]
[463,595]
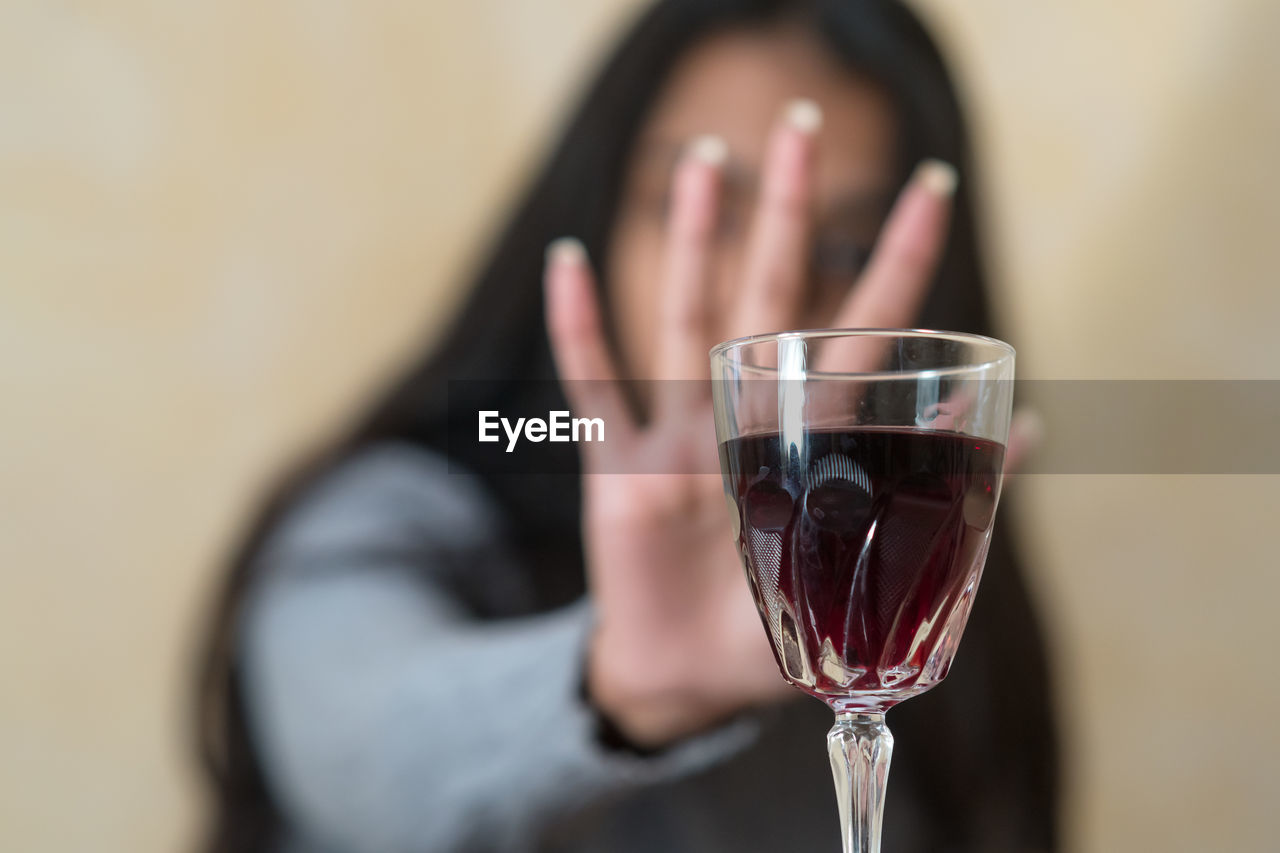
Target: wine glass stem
[860,747]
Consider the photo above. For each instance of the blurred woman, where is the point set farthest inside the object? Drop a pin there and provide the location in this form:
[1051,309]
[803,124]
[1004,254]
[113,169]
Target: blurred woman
[407,657]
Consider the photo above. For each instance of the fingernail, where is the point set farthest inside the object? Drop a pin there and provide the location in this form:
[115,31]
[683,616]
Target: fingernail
[938,177]
[566,250]
[804,115]
[710,149]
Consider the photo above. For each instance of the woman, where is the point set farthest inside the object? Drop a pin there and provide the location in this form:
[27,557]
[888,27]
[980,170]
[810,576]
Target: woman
[407,658]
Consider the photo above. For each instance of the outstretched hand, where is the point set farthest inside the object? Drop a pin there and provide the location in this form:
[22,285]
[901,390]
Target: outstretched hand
[678,643]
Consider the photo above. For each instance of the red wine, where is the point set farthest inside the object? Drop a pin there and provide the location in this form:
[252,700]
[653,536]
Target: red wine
[863,548]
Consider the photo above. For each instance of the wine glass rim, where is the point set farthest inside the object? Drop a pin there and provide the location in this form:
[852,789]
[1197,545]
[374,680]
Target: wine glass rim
[1006,349]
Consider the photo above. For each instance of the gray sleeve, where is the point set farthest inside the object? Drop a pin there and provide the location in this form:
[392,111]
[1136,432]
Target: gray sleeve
[388,717]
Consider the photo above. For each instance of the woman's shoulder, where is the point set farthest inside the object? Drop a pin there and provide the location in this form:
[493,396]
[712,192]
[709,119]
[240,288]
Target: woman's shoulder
[388,495]
[394,509]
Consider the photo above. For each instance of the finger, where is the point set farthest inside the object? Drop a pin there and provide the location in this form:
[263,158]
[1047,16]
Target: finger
[583,361]
[889,293]
[1026,433]
[778,250]
[951,414]
[695,201]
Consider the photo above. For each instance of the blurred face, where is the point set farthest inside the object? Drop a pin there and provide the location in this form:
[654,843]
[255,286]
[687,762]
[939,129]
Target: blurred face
[735,85]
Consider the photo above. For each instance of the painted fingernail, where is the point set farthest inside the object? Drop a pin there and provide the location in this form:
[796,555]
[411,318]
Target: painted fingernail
[566,250]
[804,115]
[710,149]
[938,177]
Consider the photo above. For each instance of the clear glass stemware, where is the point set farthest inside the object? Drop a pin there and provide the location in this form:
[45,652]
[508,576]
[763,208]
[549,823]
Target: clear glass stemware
[862,469]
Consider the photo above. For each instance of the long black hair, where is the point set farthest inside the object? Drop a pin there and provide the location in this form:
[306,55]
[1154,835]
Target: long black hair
[983,749]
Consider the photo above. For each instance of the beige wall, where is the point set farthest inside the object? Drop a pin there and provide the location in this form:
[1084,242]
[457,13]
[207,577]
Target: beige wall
[219,222]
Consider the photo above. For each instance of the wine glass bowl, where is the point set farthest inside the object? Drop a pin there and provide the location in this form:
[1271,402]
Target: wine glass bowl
[863,470]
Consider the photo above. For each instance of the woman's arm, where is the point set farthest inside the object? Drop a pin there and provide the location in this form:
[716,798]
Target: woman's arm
[390,718]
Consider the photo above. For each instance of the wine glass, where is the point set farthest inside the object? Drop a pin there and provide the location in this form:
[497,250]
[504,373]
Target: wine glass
[862,469]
